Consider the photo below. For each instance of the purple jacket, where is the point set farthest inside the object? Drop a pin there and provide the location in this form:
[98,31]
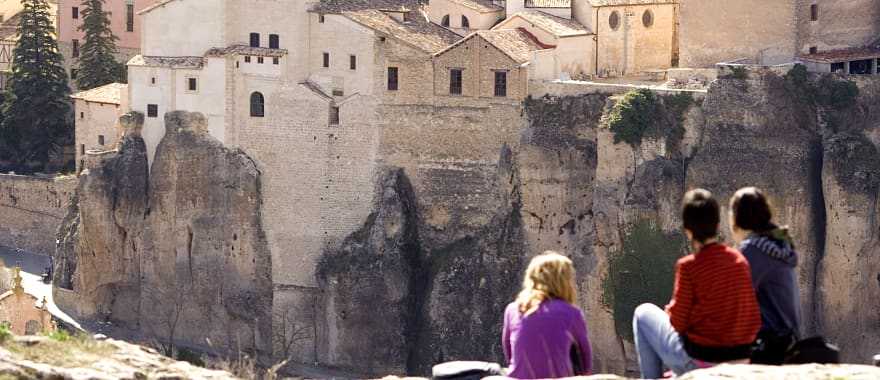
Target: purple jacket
[540,345]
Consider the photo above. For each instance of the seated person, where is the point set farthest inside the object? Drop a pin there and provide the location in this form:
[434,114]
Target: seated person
[545,335]
[773,261]
[713,316]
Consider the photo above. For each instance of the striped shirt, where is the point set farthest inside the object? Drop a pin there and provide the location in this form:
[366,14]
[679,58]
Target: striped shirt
[713,302]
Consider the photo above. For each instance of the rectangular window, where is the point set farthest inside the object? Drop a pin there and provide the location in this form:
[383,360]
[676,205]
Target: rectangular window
[276,60]
[814,12]
[259,59]
[321,19]
[352,62]
[129,17]
[192,84]
[455,81]
[326,60]
[274,43]
[838,67]
[75,48]
[255,39]
[82,149]
[152,110]
[153,80]
[334,115]
[82,115]
[100,139]
[500,83]
[814,50]
[75,13]
[247,59]
[392,79]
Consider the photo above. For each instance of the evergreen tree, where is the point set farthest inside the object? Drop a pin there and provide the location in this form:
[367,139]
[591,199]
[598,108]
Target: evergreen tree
[37,116]
[97,63]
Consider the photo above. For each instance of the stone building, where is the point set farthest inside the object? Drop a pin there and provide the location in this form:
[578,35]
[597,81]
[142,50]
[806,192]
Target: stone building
[569,46]
[123,23]
[96,112]
[24,314]
[463,16]
[561,8]
[9,20]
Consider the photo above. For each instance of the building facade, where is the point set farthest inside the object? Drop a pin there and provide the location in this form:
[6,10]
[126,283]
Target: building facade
[22,312]
[96,115]
[124,24]
[464,16]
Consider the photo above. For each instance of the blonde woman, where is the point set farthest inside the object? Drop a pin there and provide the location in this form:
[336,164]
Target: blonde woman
[545,335]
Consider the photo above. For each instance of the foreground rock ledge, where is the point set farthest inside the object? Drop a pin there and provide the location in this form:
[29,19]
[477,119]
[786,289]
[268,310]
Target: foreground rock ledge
[760,372]
[124,361]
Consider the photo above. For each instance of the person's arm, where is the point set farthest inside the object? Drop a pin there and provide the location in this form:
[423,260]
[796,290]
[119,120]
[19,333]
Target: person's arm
[679,308]
[505,336]
[583,343]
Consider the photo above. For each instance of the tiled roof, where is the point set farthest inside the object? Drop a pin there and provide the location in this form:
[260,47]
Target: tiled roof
[339,6]
[482,6]
[109,94]
[609,3]
[548,3]
[841,55]
[154,6]
[417,32]
[516,44]
[246,50]
[173,62]
[557,26]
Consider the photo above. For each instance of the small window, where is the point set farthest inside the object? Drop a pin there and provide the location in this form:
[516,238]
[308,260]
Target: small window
[258,105]
[152,110]
[501,83]
[321,19]
[392,79]
[352,62]
[455,81]
[465,23]
[334,115]
[75,48]
[838,67]
[326,62]
[73,74]
[276,60]
[614,20]
[274,43]
[647,18]
[152,80]
[814,50]
[100,139]
[255,39]
[192,84]
[814,12]
[75,13]
[260,60]
[82,115]
[129,18]
[445,21]
[247,59]
[82,149]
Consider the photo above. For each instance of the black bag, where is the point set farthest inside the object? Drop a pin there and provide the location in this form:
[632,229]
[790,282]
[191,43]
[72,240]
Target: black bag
[771,349]
[813,350]
[465,370]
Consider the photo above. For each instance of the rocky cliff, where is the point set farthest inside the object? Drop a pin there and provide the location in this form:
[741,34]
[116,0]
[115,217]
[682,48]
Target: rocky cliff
[595,174]
[176,252]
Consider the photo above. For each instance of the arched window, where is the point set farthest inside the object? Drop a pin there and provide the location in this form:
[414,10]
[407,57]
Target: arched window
[445,21]
[647,18]
[258,105]
[614,20]
[465,23]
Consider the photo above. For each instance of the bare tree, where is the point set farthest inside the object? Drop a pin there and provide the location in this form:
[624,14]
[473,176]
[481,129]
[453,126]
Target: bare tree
[288,332]
[168,304]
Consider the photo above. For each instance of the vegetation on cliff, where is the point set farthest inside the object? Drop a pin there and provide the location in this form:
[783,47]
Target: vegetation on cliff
[641,113]
[643,270]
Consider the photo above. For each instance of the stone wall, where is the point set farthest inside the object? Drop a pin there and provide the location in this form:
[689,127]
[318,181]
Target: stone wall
[31,209]
[840,24]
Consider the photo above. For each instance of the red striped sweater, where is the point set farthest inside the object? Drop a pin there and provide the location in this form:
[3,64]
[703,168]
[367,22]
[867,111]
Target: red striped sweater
[713,302]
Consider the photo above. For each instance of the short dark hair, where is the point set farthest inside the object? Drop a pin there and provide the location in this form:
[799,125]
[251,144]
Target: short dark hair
[700,214]
[751,210]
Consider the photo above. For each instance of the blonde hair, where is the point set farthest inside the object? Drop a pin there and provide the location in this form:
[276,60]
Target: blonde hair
[549,275]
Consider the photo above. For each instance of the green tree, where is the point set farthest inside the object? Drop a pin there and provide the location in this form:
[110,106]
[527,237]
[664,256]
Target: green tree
[37,116]
[97,63]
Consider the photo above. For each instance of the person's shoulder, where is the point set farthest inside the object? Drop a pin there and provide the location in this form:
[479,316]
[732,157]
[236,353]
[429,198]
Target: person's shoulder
[561,306]
[686,261]
[512,307]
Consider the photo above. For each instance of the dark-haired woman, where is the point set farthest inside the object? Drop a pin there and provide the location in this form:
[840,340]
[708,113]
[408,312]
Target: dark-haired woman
[773,260]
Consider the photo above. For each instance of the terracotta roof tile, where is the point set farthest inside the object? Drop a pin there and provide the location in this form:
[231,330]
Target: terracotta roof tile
[548,3]
[109,94]
[608,3]
[246,50]
[558,26]
[175,62]
[339,6]
[841,55]
[417,31]
[482,6]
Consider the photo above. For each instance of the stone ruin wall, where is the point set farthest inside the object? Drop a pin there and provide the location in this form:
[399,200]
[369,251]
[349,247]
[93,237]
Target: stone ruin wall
[31,209]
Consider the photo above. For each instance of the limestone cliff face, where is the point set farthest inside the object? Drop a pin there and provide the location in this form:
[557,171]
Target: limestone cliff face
[178,253]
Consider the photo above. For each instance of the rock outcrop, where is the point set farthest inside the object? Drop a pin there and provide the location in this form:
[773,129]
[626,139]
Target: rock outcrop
[176,254]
